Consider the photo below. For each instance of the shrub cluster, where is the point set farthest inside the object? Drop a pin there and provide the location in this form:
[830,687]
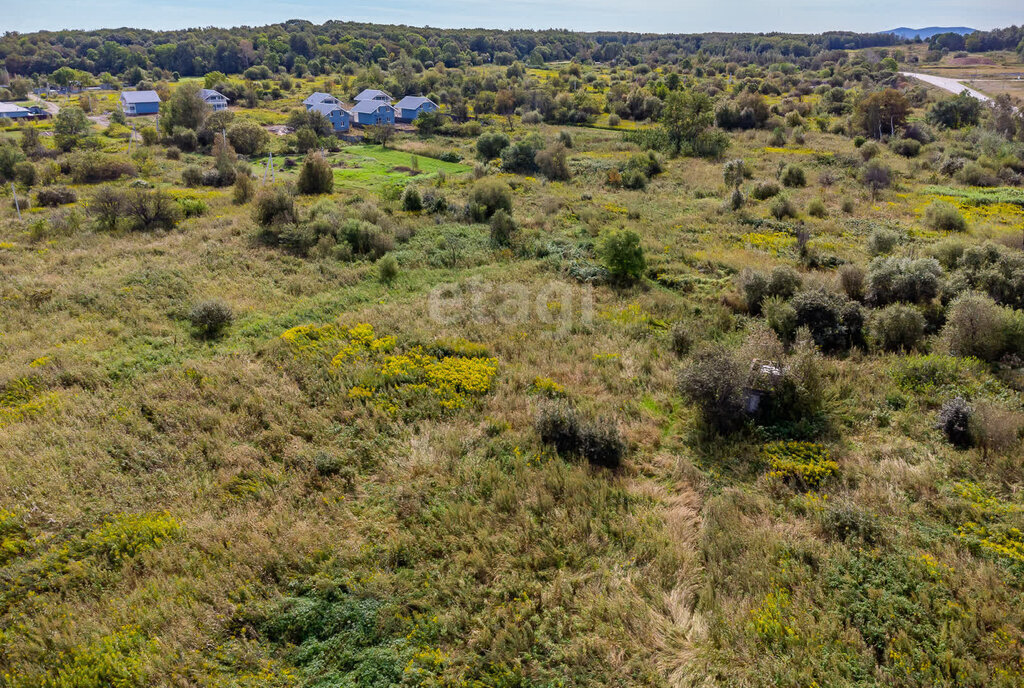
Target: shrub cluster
[714,382]
[571,433]
[89,167]
[487,197]
[765,190]
[142,210]
[835,322]
[316,176]
[54,196]
[756,286]
[210,317]
[943,216]
[903,280]
[898,327]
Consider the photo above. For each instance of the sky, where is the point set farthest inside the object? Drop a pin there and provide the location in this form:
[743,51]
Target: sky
[662,16]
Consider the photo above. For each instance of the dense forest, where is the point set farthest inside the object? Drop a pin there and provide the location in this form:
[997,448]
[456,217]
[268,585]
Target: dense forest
[301,47]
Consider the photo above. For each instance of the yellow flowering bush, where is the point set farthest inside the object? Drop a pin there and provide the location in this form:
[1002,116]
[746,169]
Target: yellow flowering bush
[996,539]
[993,530]
[801,463]
[12,536]
[981,502]
[631,316]
[769,242]
[126,535]
[307,340]
[771,620]
[22,399]
[458,346]
[443,375]
[464,375]
[112,660]
[359,392]
[547,387]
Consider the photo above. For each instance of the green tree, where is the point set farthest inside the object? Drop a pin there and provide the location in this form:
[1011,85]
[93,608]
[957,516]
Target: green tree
[622,255]
[963,110]
[882,112]
[65,76]
[316,176]
[69,125]
[211,79]
[686,117]
[185,108]
[248,138]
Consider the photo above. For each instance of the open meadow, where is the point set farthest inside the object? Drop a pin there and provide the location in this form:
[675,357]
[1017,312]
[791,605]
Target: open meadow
[636,366]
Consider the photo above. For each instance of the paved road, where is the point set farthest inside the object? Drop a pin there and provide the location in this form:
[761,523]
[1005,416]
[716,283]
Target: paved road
[951,85]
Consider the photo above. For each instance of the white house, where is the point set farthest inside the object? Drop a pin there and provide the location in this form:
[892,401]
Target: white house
[215,99]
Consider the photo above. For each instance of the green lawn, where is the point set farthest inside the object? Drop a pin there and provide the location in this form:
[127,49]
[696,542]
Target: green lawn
[367,166]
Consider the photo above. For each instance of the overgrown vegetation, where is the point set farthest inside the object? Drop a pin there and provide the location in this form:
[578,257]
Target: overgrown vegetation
[648,361]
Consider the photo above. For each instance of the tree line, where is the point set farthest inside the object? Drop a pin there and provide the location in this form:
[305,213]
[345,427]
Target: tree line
[302,47]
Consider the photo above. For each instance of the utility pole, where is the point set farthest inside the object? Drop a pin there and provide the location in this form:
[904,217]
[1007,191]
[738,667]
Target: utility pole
[16,205]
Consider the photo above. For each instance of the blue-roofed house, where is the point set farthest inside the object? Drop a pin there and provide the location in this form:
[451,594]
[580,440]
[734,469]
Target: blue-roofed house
[340,118]
[140,102]
[410,107]
[369,112]
[320,97]
[218,101]
[12,111]
[374,95]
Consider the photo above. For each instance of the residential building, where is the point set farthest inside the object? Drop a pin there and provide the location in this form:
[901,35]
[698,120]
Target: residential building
[368,112]
[218,101]
[410,107]
[340,118]
[12,111]
[140,102]
[374,95]
[320,97]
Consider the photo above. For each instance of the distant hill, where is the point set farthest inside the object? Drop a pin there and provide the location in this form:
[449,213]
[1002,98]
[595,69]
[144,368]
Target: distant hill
[929,31]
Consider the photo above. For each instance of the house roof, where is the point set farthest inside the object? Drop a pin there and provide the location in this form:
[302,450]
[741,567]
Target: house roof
[413,102]
[140,97]
[318,97]
[208,93]
[11,108]
[367,106]
[326,109]
[372,94]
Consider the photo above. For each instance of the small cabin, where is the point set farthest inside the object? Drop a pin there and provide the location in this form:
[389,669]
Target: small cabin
[140,103]
[411,107]
[764,378]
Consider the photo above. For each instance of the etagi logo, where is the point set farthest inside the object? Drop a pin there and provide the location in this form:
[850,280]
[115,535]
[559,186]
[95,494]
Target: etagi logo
[481,302]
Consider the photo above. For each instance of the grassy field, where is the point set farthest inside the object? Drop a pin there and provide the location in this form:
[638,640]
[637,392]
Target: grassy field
[347,487]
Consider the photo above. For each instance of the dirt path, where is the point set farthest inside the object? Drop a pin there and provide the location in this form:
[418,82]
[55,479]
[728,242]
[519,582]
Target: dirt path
[47,105]
[947,84]
[102,121]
